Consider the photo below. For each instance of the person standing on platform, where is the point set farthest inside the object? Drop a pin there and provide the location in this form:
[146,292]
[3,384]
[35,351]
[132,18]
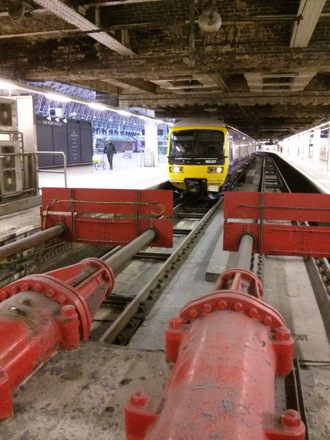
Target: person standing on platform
[110,150]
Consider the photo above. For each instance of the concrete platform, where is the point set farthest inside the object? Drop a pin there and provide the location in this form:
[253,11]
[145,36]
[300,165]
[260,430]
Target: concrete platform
[127,173]
[81,395]
[318,172]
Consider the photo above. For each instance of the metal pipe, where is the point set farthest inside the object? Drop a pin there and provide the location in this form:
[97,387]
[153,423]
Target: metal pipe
[245,252]
[67,298]
[33,240]
[45,313]
[127,252]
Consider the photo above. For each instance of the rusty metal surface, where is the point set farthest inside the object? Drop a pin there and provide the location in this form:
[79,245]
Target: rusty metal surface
[105,216]
[278,236]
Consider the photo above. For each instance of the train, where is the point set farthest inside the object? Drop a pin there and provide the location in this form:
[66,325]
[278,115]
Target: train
[203,155]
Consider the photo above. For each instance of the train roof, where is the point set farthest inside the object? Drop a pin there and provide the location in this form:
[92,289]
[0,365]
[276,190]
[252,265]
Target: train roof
[202,122]
[199,122]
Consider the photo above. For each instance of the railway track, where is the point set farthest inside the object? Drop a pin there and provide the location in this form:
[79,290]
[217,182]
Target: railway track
[141,282]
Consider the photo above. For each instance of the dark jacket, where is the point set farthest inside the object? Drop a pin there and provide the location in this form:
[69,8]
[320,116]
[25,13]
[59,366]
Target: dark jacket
[110,148]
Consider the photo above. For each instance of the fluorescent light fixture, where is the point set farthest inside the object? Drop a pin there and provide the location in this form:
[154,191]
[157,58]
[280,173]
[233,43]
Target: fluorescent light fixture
[56,97]
[96,106]
[307,17]
[124,113]
[7,85]
[325,125]
[62,98]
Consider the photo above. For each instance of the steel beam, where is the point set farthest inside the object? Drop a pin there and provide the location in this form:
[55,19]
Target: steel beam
[32,240]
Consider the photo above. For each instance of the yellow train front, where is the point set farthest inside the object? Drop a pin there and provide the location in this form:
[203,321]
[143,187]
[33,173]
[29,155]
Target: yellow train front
[204,153]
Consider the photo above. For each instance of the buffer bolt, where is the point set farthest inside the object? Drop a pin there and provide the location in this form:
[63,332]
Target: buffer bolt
[61,299]
[193,313]
[50,293]
[291,418]
[38,287]
[26,286]
[238,307]
[207,308]
[253,312]
[3,295]
[268,321]
[68,311]
[176,323]
[282,334]
[13,290]
[139,399]
[222,304]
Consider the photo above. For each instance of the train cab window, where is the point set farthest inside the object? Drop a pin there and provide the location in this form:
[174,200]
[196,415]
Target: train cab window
[182,144]
[197,143]
[209,143]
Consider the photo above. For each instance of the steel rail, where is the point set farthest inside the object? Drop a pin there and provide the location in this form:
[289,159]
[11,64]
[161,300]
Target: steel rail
[128,313]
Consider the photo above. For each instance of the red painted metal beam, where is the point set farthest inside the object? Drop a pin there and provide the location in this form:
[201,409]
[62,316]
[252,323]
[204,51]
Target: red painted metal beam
[275,234]
[109,216]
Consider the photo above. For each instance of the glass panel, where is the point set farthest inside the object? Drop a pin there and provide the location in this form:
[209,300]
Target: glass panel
[197,143]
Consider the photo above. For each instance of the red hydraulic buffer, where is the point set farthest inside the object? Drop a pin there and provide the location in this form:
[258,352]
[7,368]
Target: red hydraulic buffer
[43,314]
[227,347]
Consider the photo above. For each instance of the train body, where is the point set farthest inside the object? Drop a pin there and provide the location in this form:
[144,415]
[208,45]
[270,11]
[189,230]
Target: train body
[203,154]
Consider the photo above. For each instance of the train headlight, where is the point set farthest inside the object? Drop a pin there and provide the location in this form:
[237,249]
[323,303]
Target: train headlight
[176,169]
[215,170]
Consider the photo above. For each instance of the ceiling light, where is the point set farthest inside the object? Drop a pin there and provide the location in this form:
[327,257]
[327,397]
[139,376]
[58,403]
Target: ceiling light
[96,106]
[16,9]
[55,97]
[124,113]
[210,21]
[6,85]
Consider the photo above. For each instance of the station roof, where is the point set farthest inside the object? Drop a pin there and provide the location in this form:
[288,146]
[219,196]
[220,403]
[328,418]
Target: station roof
[266,70]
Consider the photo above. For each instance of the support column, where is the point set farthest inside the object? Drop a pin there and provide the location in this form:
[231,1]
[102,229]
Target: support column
[316,146]
[151,141]
[305,145]
[296,147]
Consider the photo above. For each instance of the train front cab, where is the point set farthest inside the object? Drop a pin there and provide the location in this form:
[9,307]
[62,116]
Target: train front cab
[197,158]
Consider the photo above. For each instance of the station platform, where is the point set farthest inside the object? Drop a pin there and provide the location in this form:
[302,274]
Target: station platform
[318,172]
[127,173]
[84,398]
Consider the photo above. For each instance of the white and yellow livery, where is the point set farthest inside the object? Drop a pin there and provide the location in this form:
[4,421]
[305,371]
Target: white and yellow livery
[203,153]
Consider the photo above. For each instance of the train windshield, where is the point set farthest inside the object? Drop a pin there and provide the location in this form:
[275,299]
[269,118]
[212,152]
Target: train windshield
[199,144]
